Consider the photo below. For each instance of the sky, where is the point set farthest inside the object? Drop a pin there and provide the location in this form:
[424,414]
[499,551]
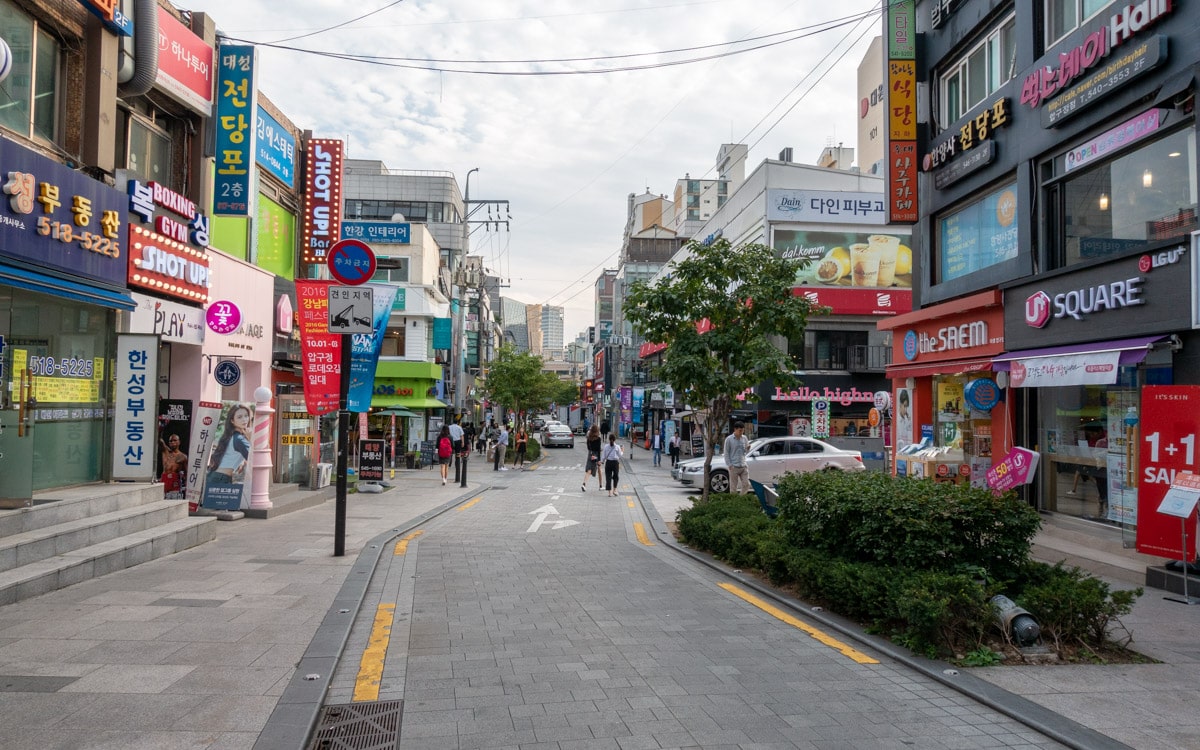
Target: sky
[565,150]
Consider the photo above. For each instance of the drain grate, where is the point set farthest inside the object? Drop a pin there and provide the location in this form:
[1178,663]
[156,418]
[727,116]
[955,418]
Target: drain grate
[359,726]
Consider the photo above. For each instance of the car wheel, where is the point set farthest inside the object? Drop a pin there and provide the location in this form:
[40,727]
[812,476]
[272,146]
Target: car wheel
[718,481]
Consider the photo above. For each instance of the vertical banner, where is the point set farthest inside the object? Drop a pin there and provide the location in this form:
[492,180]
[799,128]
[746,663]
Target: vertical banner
[820,418]
[370,460]
[135,408]
[1168,425]
[237,109]
[320,350]
[626,396]
[364,354]
[900,78]
[174,437]
[322,223]
[635,405]
[204,424]
[227,471]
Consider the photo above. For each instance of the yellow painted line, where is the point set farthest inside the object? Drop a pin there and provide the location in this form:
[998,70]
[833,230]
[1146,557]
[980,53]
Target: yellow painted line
[469,503]
[630,503]
[640,530]
[370,669]
[402,545]
[830,641]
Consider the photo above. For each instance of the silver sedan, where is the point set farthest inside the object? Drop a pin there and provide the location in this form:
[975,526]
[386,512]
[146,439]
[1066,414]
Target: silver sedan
[770,458]
[558,435]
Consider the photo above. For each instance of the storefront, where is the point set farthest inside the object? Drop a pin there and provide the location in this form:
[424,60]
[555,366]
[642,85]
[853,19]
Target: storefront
[62,281]
[1079,394]
[950,417]
[412,386]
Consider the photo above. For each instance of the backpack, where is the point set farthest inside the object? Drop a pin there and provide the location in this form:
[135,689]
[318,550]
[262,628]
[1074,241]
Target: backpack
[445,448]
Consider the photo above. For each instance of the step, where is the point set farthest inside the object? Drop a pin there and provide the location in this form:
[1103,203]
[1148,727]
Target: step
[48,541]
[1094,547]
[63,505]
[60,571]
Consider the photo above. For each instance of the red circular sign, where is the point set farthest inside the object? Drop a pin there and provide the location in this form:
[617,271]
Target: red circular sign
[351,262]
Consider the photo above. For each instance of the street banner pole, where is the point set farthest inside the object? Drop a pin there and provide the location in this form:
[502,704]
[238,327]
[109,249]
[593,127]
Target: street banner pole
[343,451]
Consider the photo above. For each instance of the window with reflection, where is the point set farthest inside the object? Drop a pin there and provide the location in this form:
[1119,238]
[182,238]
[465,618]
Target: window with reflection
[1142,199]
[1064,16]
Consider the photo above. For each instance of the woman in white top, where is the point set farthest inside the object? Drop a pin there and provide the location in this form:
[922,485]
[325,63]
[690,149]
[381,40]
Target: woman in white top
[611,455]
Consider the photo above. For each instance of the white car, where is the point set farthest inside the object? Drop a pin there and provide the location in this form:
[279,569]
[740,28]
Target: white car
[769,459]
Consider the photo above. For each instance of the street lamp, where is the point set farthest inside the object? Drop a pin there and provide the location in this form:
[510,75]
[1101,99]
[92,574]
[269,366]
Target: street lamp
[458,357]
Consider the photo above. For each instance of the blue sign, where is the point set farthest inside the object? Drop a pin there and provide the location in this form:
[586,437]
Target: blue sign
[910,345]
[982,394]
[227,373]
[441,333]
[118,23]
[351,262]
[54,217]
[276,147]
[235,126]
[364,351]
[380,232]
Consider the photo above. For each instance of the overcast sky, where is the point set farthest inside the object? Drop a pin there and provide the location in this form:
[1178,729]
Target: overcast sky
[565,150]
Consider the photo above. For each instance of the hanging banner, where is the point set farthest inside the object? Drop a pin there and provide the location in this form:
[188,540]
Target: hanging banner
[1093,368]
[237,106]
[1169,422]
[134,402]
[626,400]
[320,350]
[204,423]
[227,472]
[174,436]
[364,352]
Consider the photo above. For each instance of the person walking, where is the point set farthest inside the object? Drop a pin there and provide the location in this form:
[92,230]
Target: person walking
[445,451]
[456,435]
[501,447]
[522,442]
[674,449]
[604,429]
[612,465]
[735,447]
[656,445]
[592,467]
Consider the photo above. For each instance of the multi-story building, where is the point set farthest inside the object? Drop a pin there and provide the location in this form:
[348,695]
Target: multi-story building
[552,331]
[514,323]
[1057,207]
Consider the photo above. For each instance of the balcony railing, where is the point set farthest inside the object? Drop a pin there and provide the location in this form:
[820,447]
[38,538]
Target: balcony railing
[851,358]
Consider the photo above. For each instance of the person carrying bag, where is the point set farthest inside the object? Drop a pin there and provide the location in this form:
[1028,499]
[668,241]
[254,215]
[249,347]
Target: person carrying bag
[611,456]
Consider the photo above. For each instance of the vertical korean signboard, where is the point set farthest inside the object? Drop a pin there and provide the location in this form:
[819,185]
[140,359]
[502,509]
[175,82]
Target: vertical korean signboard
[900,77]
[320,350]
[237,109]
[135,407]
[322,200]
[1169,423]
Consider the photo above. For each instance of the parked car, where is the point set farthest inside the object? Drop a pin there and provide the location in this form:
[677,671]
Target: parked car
[558,435]
[770,458]
[536,424]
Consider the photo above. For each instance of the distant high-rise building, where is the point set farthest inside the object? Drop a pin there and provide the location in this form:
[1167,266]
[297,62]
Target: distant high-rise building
[514,322]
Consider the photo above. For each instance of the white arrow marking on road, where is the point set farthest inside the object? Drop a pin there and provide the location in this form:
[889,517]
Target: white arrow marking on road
[542,513]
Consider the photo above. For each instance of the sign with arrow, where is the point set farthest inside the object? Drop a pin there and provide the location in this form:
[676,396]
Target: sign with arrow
[544,513]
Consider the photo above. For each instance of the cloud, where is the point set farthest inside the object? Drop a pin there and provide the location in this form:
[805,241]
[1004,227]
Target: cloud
[565,150]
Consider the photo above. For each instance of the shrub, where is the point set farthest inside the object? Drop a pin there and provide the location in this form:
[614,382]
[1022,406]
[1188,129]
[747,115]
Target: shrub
[1070,605]
[727,526]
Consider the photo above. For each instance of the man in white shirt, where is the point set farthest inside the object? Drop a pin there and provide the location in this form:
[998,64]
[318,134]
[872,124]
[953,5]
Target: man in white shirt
[501,446]
[734,450]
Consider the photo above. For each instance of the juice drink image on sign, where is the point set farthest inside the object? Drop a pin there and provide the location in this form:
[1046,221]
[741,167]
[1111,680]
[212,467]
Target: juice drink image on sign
[889,248]
[864,264]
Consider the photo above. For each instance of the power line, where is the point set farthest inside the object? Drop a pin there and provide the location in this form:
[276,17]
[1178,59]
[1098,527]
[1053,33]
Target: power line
[340,25]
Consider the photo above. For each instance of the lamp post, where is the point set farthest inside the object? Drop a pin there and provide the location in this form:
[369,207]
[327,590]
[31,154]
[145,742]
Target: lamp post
[458,356]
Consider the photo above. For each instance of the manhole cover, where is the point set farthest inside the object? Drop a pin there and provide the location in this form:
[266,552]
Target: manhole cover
[359,726]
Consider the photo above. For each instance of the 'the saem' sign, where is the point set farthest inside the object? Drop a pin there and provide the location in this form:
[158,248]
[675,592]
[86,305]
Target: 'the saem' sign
[322,199]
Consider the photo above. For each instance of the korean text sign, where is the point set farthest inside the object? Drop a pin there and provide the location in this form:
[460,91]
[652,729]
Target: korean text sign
[320,350]
[1169,422]
[276,147]
[135,428]
[1017,468]
[237,110]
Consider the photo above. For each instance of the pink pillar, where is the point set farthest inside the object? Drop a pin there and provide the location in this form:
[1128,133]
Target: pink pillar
[260,489]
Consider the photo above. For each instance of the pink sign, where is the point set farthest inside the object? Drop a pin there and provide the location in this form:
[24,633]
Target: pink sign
[1017,468]
[185,64]
[223,317]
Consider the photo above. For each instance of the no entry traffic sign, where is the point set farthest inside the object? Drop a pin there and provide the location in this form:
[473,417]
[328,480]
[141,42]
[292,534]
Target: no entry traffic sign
[351,262]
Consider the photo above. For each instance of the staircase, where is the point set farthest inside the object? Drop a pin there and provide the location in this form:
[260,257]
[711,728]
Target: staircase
[77,533]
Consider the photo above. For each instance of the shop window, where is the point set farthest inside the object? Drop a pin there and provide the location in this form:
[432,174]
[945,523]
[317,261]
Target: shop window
[976,236]
[29,96]
[143,148]
[391,270]
[983,69]
[1142,199]
[393,343]
[827,350]
[1064,16]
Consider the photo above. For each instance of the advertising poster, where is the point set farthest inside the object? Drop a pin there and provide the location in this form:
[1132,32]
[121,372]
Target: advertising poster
[857,260]
[949,400]
[370,460]
[903,418]
[1168,425]
[174,436]
[638,399]
[979,236]
[227,478]
[626,396]
[365,347]
[204,425]
[321,351]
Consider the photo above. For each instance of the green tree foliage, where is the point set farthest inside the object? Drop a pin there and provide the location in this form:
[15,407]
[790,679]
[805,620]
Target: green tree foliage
[741,298]
[515,380]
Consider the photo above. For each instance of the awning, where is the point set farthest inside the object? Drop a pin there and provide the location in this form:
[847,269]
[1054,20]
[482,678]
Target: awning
[38,282]
[1094,363]
[407,402]
[395,411]
[948,367]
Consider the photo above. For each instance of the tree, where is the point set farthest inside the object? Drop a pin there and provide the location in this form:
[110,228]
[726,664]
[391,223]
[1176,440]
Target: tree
[717,310]
[515,380]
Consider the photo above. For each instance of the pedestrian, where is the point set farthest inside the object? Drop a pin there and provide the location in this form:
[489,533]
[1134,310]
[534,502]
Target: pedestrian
[612,465]
[456,435]
[604,430]
[592,467]
[445,450]
[522,442]
[674,450]
[736,445]
[499,449]
[656,444]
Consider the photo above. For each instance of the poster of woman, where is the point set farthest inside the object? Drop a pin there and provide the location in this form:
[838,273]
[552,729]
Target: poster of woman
[228,467]
[904,425]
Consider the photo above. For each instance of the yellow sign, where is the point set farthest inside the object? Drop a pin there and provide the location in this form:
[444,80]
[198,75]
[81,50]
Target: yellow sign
[296,440]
